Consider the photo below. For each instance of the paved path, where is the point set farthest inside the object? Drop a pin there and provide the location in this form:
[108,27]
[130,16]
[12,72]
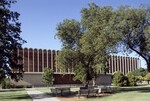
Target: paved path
[40,96]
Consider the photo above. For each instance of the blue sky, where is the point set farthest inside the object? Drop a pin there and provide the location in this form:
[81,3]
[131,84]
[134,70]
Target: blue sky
[40,18]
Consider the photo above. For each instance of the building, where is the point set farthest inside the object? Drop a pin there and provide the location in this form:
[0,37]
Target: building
[35,60]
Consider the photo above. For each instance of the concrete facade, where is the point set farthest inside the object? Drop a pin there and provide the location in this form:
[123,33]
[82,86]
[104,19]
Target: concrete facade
[35,60]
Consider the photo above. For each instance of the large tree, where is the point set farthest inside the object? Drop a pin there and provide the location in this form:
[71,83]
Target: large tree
[10,41]
[133,24]
[88,44]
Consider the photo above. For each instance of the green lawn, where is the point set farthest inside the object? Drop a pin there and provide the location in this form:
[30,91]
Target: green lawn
[138,93]
[44,89]
[14,95]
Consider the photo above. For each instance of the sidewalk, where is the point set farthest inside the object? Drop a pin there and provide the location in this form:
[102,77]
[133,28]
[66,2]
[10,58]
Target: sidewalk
[40,96]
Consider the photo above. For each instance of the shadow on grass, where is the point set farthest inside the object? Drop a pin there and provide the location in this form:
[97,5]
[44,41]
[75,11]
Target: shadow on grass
[39,96]
[141,89]
[15,97]
[11,90]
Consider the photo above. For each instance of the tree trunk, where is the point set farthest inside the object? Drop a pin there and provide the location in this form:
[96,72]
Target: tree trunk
[148,65]
[93,81]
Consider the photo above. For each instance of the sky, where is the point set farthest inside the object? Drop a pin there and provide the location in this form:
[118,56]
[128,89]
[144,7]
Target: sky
[39,18]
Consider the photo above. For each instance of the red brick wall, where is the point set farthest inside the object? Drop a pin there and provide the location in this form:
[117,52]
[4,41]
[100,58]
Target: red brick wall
[65,79]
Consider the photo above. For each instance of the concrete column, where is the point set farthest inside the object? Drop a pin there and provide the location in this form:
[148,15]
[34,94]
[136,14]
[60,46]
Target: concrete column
[125,60]
[30,56]
[112,63]
[52,62]
[117,58]
[42,60]
[109,62]
[123,65]
[33,60]
[38,59]
[136,63]
[119,63]
[23,58]
[56,62]
[47,58]
[28,60]
[139,63]
[128,65]
[133,64]
[115,63]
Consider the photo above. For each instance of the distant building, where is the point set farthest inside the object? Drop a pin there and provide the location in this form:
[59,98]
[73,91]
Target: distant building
[35,60]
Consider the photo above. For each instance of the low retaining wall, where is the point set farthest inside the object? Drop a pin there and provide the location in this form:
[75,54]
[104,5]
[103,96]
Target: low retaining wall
[36,79]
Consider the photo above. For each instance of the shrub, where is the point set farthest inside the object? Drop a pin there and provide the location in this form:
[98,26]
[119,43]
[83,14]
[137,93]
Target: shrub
[9,83]
[47,76]
[119,79]
[140,72]
[132,79]
[6,84]
[147,77]
[140,79]
[20,84]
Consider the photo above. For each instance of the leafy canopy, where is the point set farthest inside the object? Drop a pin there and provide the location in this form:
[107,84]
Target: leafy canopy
[86,45]
[101,32]
[47,76]
[133,24]
[10,41]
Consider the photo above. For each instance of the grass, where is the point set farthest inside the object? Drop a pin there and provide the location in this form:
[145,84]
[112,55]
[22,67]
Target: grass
[138,93]
[44,89]
[128,96]
[47,89]
[14,95]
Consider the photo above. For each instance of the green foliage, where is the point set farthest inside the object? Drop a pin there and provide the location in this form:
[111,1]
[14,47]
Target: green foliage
[147,77]
[87,44]
[134,26]
[20,84]
[140,79]
[140,72]
[103,31]
[48,76]
[6,84]
[15,95]
[80,75]
[119,79]
[10,41]
[132,79]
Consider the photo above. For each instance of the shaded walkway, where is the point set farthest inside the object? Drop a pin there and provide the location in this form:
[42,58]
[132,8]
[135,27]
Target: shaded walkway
[40,96]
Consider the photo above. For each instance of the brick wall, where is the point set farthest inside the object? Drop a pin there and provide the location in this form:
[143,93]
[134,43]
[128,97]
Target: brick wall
[35,60]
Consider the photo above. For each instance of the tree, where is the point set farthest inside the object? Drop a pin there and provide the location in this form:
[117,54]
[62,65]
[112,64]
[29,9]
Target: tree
[88,44]
[134,26]
[48,76]
[132,79]
[140,72]
[10,41]
[147,77]
[119,79]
